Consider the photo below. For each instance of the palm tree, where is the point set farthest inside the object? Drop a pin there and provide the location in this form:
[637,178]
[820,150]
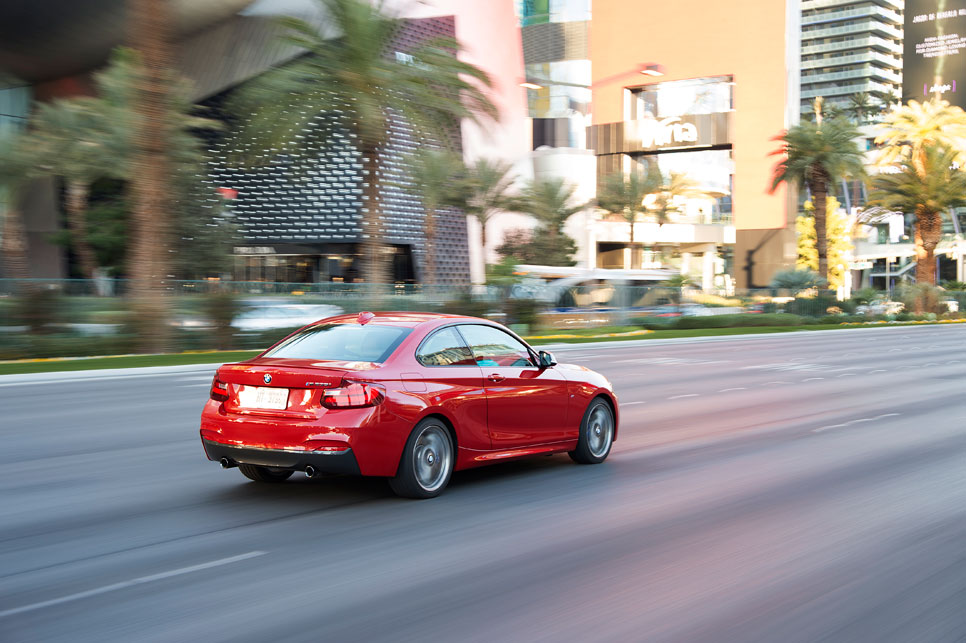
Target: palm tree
[76,140]
[815,155]
[354,83]
[551,203]
[486,187]
[672,189]
[436,175]
[85,139]
[624,196]
[150,27]
[928,186]
[859,107]
[909,130]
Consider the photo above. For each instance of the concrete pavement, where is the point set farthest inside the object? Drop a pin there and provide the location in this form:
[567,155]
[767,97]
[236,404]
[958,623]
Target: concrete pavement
[794,487]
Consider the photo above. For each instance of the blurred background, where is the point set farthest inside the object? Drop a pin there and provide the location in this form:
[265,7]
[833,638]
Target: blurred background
[203,174]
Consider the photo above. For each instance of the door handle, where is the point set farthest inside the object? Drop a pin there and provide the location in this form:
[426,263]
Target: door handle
[496,377]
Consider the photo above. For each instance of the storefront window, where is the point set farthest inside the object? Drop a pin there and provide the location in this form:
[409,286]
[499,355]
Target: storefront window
[712,171]
[682,97]
[564,88]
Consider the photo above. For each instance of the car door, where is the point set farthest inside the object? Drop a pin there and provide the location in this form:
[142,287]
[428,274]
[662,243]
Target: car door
[450,378]
[525,404]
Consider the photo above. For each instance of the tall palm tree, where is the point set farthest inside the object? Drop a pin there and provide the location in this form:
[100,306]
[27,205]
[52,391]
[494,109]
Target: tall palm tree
[815,155]
[928,186]
[436,175]
[356,83]
[861,107]
[150,26]
[486,185]
[624,196]
[908,130]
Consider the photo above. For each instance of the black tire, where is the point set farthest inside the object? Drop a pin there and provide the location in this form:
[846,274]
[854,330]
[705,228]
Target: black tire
[596,434]
[426,463]
[264,474]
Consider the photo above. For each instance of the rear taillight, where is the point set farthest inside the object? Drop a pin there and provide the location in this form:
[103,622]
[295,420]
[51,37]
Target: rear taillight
[351,396]
[219,390]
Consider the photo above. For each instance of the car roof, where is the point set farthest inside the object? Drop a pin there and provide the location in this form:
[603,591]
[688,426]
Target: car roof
[403,318]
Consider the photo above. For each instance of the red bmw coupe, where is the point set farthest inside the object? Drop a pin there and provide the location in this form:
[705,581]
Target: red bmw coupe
[407,396]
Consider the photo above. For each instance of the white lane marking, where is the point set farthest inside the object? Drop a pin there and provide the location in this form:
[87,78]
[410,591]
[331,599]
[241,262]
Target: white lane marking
[878,370]
[955,361]
[129,583]
[845,375]
[631,403]
[678,397]
[894,350]
[812,379]
[851,422]
[767,383]
[737,388]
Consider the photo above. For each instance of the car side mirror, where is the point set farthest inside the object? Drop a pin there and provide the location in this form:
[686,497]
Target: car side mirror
[547,359]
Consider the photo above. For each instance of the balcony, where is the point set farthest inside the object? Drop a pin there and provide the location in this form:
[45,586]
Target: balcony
[865,57]
[866,72]
[809,5]
[887,15]
[842,90]
[870,42]
[861,27]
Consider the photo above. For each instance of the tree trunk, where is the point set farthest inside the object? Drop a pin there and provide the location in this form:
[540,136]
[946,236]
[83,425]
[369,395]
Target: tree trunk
[376,269]
[483,236]
[929,228]
[430,277]
[819,189]
[150,35]
[635,262]
[76,203]
[14,246]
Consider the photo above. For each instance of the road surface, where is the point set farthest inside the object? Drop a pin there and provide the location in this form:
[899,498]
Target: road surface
[785,488]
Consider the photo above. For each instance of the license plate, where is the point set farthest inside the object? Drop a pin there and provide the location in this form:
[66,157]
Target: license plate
[263,397]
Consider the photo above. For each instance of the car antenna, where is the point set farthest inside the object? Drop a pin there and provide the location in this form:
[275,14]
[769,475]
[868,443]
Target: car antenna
[364,317]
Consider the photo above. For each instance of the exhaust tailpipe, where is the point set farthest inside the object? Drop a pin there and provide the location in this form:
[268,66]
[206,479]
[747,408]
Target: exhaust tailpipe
[310,471]
[227,464]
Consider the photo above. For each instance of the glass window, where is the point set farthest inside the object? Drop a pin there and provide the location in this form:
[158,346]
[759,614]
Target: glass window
[342,343]
[682,97]
[445,348]
[493,347]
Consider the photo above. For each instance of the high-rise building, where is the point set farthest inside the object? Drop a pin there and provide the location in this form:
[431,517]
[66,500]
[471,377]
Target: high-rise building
[850,47]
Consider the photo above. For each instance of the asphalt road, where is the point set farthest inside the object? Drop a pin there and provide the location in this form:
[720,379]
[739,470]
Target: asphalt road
[784,488]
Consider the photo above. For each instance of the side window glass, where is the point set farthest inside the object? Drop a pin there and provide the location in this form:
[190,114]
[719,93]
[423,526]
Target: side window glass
[445,348]
[492,347]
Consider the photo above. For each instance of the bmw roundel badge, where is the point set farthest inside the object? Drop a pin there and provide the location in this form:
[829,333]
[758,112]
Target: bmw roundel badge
[268,379]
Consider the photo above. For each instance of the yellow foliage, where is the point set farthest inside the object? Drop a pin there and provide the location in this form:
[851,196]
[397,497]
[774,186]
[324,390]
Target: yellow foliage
[839,242]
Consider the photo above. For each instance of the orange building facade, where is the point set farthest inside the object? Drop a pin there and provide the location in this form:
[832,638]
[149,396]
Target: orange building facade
[699,88]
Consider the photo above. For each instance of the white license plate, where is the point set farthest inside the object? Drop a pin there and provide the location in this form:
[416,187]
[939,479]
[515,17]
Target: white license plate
[263,397]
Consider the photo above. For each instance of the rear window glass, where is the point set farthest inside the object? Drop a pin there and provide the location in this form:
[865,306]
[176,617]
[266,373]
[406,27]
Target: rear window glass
[342,342]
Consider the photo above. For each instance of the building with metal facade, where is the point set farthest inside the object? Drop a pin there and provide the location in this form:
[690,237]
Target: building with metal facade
[850,47]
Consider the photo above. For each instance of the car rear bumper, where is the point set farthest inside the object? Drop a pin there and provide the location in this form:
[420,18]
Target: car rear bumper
[323,461]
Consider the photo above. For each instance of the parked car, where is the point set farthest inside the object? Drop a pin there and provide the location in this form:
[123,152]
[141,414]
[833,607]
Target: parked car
[268,316]
[407,396]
